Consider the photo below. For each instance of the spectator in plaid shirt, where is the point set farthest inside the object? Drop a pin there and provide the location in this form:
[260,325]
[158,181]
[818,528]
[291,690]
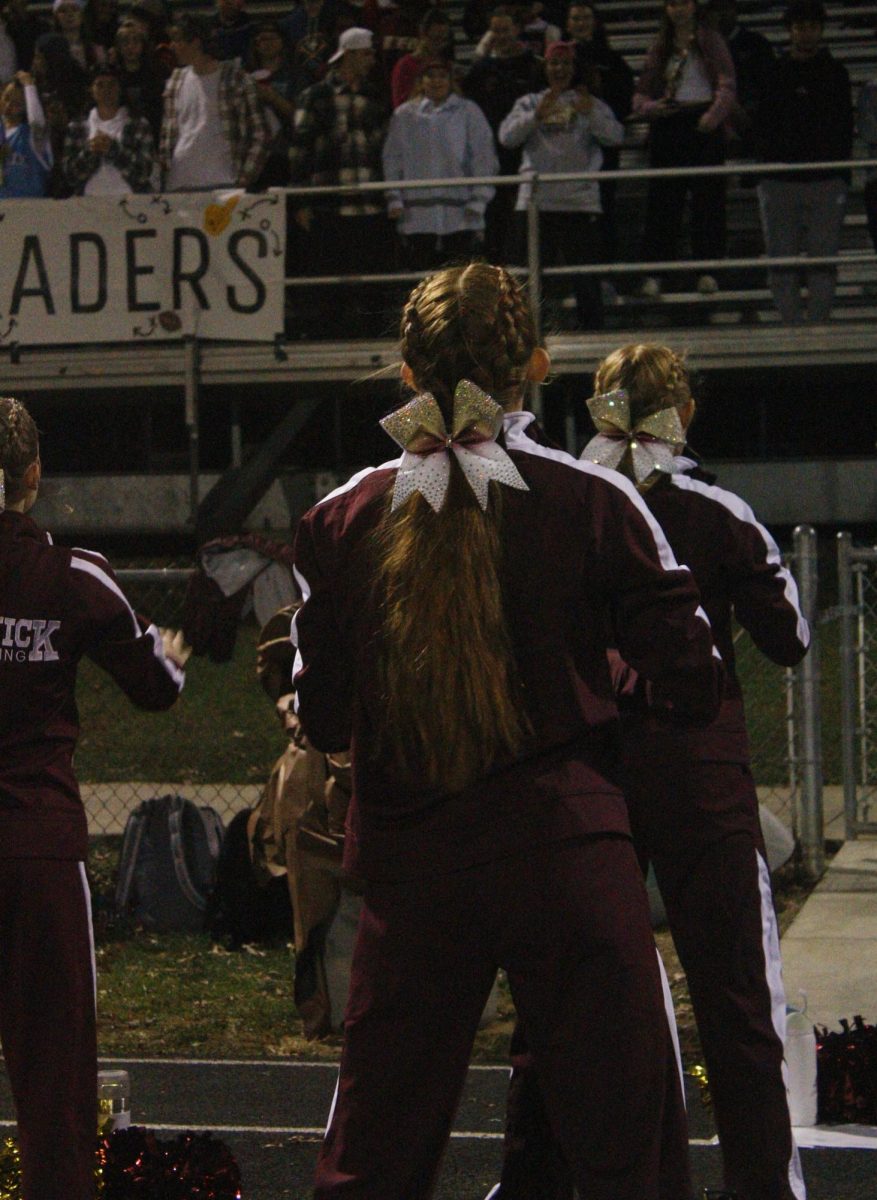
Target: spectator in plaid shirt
[109,152]
[213,133]
[337,138]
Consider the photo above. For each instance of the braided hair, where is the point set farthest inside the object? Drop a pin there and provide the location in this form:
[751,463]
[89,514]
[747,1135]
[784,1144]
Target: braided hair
[451,705]
[19,446]
[469,322]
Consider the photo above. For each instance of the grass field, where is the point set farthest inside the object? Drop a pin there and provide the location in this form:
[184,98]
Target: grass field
[181,994]
[223,730]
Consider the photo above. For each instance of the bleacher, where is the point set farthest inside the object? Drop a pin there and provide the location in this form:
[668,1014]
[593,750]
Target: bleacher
[851,34]
[737,329]
[743,299]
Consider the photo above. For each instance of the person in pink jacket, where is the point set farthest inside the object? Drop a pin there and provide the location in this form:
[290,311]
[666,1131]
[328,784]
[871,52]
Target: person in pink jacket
[686,92]
[57,606]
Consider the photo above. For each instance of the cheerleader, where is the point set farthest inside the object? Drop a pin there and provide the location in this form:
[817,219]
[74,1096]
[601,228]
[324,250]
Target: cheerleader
[457,604]
[692,801]
[57,605]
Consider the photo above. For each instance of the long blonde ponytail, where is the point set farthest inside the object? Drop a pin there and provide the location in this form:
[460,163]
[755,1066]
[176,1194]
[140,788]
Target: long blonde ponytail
[451,705]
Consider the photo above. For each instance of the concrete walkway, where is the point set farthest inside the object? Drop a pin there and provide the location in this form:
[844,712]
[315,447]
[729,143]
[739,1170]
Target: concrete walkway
[830,949]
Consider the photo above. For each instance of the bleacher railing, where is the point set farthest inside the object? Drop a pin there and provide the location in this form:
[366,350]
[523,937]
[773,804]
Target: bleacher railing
[535,271]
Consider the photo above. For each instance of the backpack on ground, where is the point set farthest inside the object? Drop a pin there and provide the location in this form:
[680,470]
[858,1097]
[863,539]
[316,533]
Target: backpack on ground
[168,864]
[243,907]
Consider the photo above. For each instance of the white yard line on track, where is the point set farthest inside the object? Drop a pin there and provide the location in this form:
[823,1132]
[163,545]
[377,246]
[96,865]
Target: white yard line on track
[319,1131]
[258,1062]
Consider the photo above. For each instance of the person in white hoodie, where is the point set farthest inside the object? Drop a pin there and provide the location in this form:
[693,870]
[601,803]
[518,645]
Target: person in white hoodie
[109,152]
[438,135]
[562,129]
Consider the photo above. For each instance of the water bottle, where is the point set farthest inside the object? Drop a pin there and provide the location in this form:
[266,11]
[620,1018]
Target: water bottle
[801,1063]
[113,1101]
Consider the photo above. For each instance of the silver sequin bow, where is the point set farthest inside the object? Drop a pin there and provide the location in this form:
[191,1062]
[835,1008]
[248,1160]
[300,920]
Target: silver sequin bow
[651,443]
[420,429]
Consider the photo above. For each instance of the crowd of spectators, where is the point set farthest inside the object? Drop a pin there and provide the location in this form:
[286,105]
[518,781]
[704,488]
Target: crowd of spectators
[101,99]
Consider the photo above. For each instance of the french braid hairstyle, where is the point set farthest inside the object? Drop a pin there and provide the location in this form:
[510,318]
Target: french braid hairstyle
[654,377]
[451,704]
[19,446]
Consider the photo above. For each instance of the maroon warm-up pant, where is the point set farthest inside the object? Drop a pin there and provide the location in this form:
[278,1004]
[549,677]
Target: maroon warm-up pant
[569,924]
[47,1023]
[698,825]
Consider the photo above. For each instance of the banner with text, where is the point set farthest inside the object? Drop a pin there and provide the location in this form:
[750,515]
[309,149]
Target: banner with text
[134,268]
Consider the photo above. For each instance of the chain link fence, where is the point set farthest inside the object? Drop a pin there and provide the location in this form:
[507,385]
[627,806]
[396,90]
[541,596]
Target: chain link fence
[857,621]
[769,692]
[216,746]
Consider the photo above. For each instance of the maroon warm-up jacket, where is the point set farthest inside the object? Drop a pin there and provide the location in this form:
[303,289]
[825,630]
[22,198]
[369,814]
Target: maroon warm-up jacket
[57,605]
[584,564]
[740,575]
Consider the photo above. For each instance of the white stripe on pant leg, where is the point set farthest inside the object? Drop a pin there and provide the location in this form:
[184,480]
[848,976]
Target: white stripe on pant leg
[87,891]
[774,975]
[671,1021]
[332,1105]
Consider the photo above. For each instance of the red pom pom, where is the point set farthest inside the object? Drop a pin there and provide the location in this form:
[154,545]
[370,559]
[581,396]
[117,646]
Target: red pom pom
[202,1169]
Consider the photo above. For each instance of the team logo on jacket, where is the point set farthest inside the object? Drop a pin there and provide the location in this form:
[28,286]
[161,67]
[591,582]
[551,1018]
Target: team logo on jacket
[28,639]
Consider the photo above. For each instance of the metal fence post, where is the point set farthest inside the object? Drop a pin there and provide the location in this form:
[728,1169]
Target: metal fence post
[847,681]
[810,825]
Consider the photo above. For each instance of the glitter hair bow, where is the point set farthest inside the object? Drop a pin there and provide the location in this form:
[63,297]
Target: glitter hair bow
[650,444]
[420,429]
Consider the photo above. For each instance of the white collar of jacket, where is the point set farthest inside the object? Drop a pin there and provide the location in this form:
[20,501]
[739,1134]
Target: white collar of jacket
[514,423]
[452,100]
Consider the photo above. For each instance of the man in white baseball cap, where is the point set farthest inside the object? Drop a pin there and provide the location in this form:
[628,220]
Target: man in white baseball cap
[337,137]
[355,39]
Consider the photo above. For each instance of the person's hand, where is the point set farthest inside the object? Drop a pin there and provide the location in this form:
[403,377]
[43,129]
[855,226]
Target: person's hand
[100,143]
[175,646]
[548,104]
[584,101]
[24,78]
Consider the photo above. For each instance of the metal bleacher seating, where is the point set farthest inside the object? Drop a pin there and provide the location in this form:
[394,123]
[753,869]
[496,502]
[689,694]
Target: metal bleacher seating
[744,297]
[712,325]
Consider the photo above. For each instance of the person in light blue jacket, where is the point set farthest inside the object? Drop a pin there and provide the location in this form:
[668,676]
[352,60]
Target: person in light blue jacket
[562,129]
[25,151]
[438,135]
